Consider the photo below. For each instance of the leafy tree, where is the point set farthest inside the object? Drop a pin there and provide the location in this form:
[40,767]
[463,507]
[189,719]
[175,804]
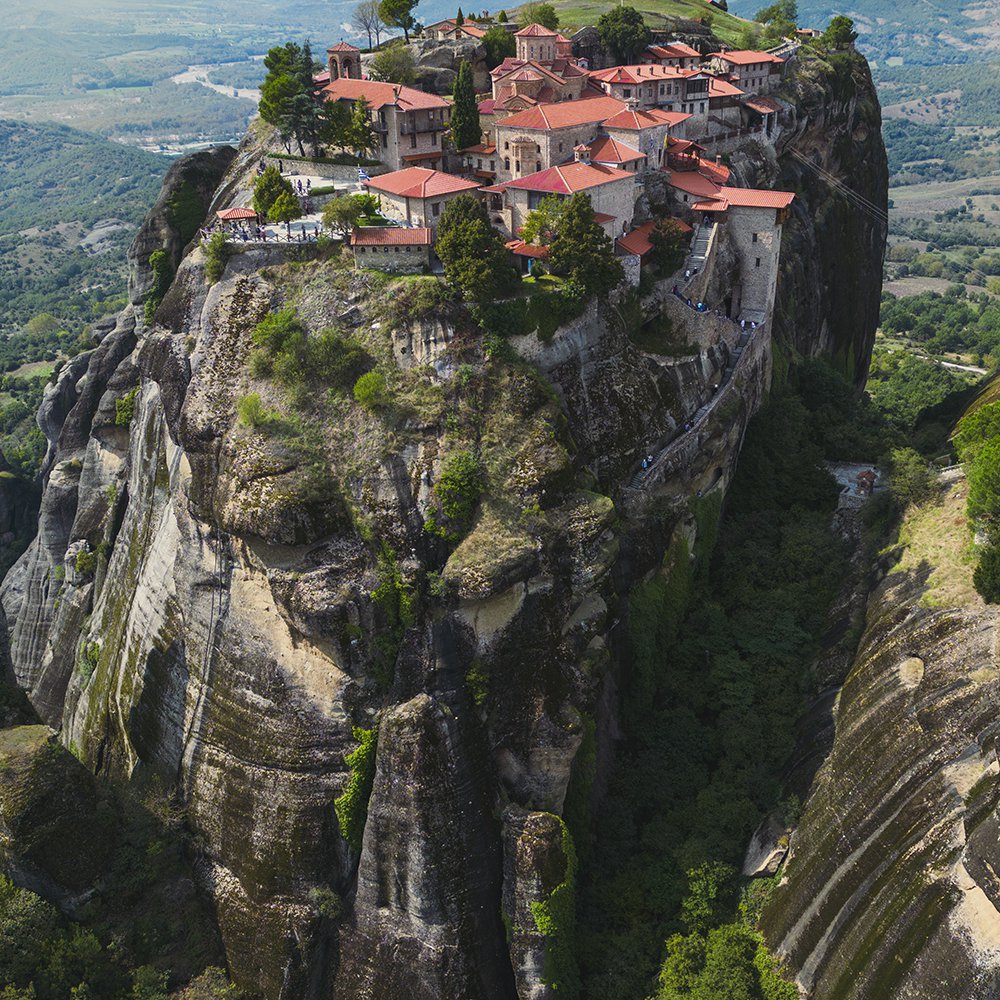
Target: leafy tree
[538,13]
[669,245]
[459,18]
[360,134]
[710,896]
[475,259]
[465,128]
[500,44]
[840,32]
[783,10]
[342,213]
[910,478]
[334,124]
[542,223]
[458,488]
[268,188]
[502,17]
[984,486]
[976,429]
[398,14]
[285,208]
[582,252]
[393,64]
[624,32]
[986,576]
[366,18]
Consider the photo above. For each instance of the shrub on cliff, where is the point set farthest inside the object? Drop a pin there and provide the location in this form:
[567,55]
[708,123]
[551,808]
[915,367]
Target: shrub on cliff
[984,487]
[216,257]
[986,577]
[457,491]
[370,390]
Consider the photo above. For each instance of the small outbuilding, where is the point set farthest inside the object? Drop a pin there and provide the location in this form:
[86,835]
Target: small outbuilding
[392,248]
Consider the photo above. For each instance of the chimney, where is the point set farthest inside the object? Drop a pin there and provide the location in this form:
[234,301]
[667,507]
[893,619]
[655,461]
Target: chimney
[718,159]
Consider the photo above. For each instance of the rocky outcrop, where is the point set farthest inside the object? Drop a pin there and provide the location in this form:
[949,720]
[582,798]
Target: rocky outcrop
[890,889]
[227,597]
[436,64]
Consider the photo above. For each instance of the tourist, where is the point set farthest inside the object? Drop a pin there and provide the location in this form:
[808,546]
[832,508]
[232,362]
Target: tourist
[644,465]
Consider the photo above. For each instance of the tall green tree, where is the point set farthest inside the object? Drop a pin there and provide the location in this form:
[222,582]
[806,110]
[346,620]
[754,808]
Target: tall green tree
[475,259]
[465,127]
[582,252]
[393,64]
[984,487]
[624,32]
[542,224]
[538,13]
[267,189]
[499,44]
[840,33]
[360,134]
[399,14]
[287,100]
[285,208]
[334,124]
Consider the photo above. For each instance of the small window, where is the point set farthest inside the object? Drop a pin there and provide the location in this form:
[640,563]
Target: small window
[436,208]
[538,165]
[538,149]
[517,166]
[753,239]
[506,163]
[628,91]
[758,262]
[434,138]
[396,249]
[479,166]
[506,145]
[560,147]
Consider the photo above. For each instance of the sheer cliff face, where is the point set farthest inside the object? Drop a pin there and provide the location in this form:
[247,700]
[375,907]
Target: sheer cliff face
[830,153]
[254,592]
[891,889]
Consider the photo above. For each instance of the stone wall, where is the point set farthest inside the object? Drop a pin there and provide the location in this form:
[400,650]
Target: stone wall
[331,171]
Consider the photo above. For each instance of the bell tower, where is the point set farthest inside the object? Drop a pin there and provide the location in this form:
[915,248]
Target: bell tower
[344,62]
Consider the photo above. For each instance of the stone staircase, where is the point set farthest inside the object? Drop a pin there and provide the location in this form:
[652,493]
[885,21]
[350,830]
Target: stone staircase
[700,247]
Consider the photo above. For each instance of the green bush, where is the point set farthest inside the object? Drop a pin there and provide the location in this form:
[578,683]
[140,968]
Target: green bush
[911,480]
[352,806]
[125,408]
[252,412]
[986,577]
[555,918]
[86,562]
[370,390]
[217,253]
[457,491]
[163,274]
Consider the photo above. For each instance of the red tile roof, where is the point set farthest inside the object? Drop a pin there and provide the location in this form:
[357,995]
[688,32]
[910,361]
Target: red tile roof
[228,214]
[712,205]
[434,154]
[602,217]
[419,182]
[633,120]
[606,150]
[693,182]
[487,149]
[722,88]
[674,50]
[763,104]
[536,31]
[390,236]
[523,249]
[746,57]
[343,47]
[565,114]
[570,178]
[379,95]
[756,197]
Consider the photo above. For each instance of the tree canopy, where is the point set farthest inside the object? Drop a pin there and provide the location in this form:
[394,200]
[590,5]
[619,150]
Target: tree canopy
[398,14]
[538,13]
[474,256]
[465,127]
[267,188]
[542,223]
[623,30]
[287,100]
[393,64]
[500,44]
[366,18]
[582,252]
[840,32]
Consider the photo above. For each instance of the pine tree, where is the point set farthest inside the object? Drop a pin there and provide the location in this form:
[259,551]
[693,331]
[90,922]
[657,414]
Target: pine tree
[459,18]
[582,252]
[268,188]
[465,128]
[360,134]
[285,208]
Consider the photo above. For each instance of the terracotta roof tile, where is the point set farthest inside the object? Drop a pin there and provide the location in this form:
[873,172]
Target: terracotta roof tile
[343,47]
[636,120]
[569,178]
[382,236]
[565,114]
[746,57]
[606,150]
[536,31]
[419,182]
[379,95]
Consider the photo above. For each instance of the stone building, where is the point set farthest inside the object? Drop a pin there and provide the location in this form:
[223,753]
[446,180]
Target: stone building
[417,196]
[410,123]
[612,192]
[343,61]
[753,72]
[390,248]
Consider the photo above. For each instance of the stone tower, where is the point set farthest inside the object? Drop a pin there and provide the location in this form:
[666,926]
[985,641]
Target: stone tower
[344,60]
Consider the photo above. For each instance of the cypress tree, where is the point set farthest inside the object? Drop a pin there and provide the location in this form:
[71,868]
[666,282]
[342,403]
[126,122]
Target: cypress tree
[465,127]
